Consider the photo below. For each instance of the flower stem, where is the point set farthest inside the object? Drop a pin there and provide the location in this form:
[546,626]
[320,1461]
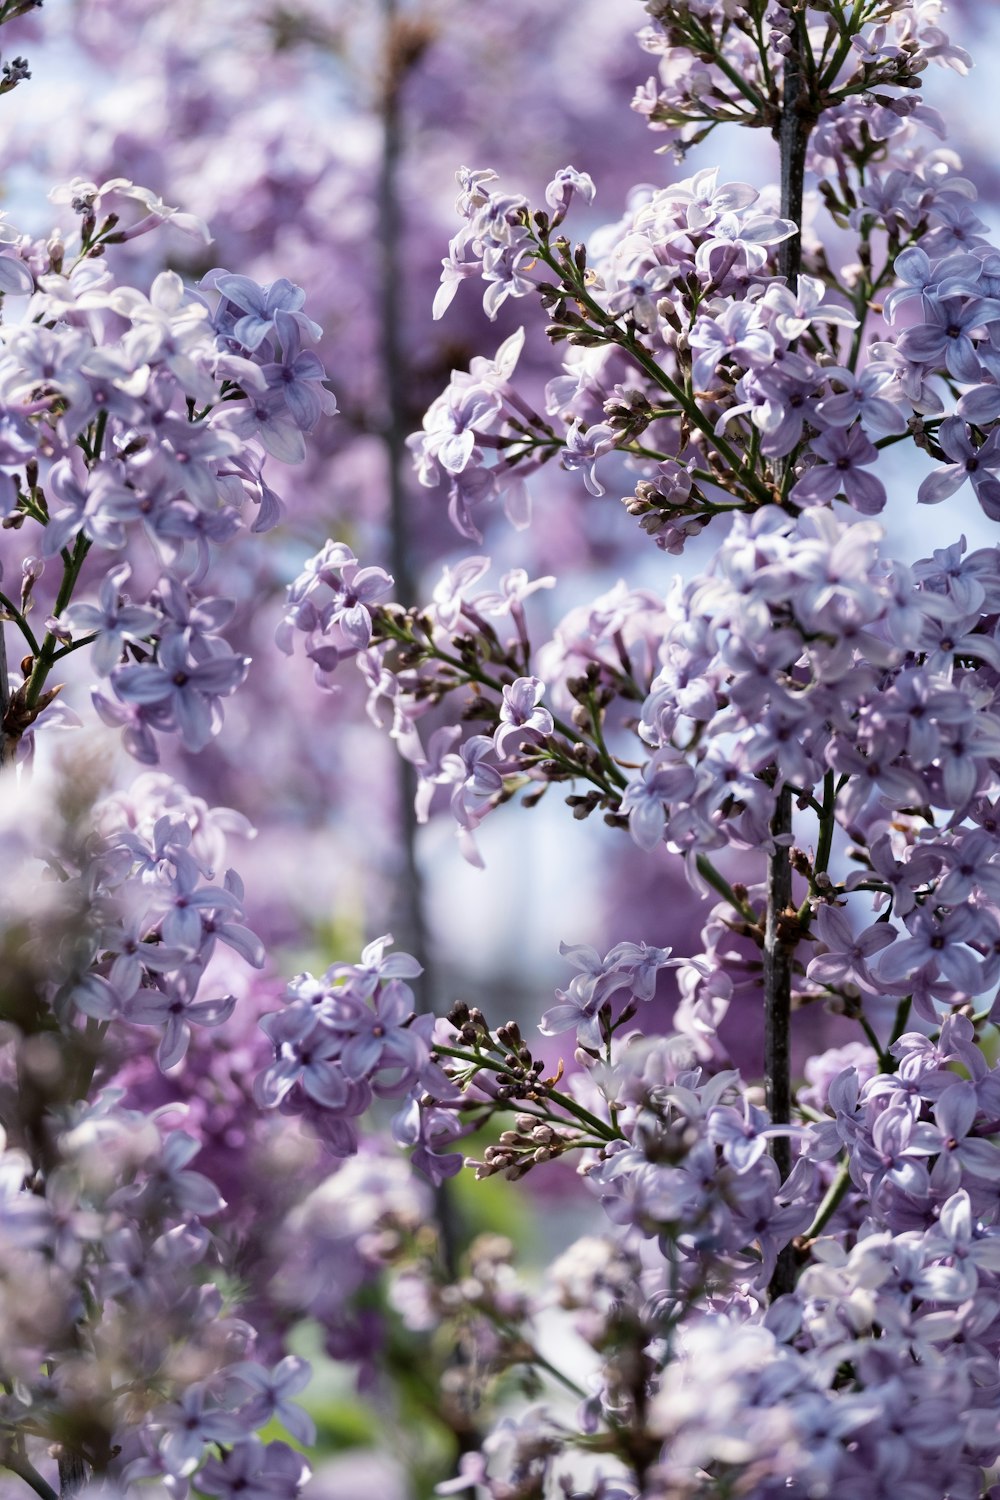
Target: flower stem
[832,1200]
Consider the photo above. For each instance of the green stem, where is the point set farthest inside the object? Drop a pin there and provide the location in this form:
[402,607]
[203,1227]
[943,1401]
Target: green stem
[750,482]
[740,83]
[19,620]
[884,1059]
[824,843]
[849,32]
[562,1101]
[533,1357]
[719,883]
[898,1027]
[72,563]
[85,640]
[832,1200]
[599,741]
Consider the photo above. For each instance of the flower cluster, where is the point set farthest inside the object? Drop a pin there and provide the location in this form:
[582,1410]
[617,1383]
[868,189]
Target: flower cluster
[136,428]
[119,1220]
[716,62]
[345,1037]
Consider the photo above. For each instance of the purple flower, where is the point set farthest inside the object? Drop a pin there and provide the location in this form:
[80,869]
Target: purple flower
[949,335]
[272,1391]
[299,376]
[113,619]
[647,801]
[187,691]
[521,718]
[846,958]
[846,452]
[567,182]
[85,508]
[380,1035]
[258,305]
[188,1428]
[979,465]
[173,1008]
[583,447]
[266,417]
[253,1471]
[937,942]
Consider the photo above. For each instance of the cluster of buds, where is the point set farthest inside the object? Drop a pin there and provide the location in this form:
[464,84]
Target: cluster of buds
[527,1145]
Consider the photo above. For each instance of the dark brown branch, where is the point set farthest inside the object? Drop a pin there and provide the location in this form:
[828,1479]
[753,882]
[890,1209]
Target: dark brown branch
[793,138]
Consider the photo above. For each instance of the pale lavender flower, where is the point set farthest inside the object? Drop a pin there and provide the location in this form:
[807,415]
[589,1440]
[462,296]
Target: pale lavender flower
[272,1391]
[846,453]
[521,717]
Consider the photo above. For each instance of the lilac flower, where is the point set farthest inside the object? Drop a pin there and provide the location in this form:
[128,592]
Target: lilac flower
[259,305]
[639,289]
[113,619]
[271,1395]
[642,963]
[584,447]
[845,452]
[961,1152]
[937,942]
[792,314]
[564,186]
[188,1428]
[174,1009]
[84,508]
[433,768]
[747,237]
[737,332]
[307,1054]
[979,465]
[253,1471]
[846,958]
[168,329]
[376,966]
[916,276]
[505,270]
[969,1246]
[430,1131]
[170,1186]
[299,376]
[188,691]
[865,397]
[137,722]
[329,600]
[578,1009]
[646,802]
[894,1155]
[381,1036]
[949,334]
[742,1135]
[521,718]
[265,417]
[453,271]
[477,786]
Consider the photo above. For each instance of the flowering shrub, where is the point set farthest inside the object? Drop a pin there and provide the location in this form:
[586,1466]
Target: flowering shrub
[789,1286]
